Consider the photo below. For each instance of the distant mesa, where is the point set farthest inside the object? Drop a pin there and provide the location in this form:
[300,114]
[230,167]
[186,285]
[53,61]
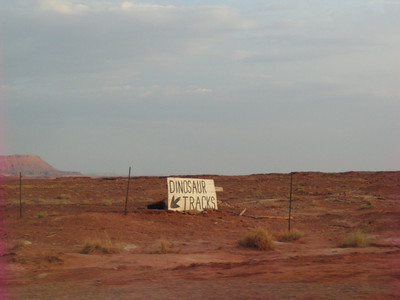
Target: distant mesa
[29,165]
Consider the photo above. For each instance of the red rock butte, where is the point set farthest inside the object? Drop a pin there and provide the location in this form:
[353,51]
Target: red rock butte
[29,165]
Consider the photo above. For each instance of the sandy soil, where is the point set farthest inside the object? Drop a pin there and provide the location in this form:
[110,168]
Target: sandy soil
[42,250]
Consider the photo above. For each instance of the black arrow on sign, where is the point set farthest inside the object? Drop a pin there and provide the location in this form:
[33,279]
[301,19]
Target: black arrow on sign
[174,202]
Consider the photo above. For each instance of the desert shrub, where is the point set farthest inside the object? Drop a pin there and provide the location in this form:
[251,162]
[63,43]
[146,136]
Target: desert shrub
[19,244]
[356,239]
[107,202]
[92,245]
[42,214]
[259,239]
[54,214]
[64,202]
[38,200]
[63,196]
[367,203]
[292,235]
[163,247]
[51,258]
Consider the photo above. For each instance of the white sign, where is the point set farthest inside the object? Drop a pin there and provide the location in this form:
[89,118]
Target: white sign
[191,194]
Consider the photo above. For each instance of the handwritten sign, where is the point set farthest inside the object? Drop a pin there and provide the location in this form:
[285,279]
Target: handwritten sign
[191,194]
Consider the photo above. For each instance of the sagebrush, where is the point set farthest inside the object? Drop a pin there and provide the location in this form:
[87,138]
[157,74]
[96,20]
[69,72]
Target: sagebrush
[104,245]
[292,235]
[357,239]
[163,246]
[259,239]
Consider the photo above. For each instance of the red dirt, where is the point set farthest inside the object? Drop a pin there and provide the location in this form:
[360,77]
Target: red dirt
[203,261]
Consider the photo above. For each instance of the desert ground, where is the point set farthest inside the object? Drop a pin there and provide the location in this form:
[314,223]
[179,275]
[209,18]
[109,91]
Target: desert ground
[159,254]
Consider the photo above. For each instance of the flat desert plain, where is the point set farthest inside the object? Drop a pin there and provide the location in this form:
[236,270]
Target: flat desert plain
[74,241]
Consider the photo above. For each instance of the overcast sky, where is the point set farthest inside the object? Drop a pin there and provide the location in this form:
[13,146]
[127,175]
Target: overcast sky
[202,87]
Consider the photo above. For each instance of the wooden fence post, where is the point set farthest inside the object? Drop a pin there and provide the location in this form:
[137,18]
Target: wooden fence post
[127,192]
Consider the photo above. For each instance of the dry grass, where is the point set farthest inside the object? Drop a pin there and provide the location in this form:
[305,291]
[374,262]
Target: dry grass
[357,239]
[107,203]
[19,244]
[97,245]
[292,235]
[38,200]
[163,247]
[259,239]
[42,214]
[105,245]
[66,202]
[45,214]
[54,214]
[367,203]
[39,259]
[50,258]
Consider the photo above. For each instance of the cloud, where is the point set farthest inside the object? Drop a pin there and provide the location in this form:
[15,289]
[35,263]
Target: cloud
[126,87]
[205,16]
[154,91]
[284,54]
[382,6]
[202,90]
[225,69]
[280,6]
[62,6]
[225,17]
[132,6]
[120,47]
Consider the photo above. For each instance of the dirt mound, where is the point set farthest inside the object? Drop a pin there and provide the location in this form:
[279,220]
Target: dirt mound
[30,165]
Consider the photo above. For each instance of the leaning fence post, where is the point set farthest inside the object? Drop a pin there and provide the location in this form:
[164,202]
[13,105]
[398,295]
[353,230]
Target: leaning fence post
[290,201]
[20,195]
[127,192]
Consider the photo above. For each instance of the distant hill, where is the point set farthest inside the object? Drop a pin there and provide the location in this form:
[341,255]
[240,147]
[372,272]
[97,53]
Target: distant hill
[29,165]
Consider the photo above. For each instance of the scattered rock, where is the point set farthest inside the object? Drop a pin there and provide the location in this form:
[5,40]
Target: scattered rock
[41,275]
